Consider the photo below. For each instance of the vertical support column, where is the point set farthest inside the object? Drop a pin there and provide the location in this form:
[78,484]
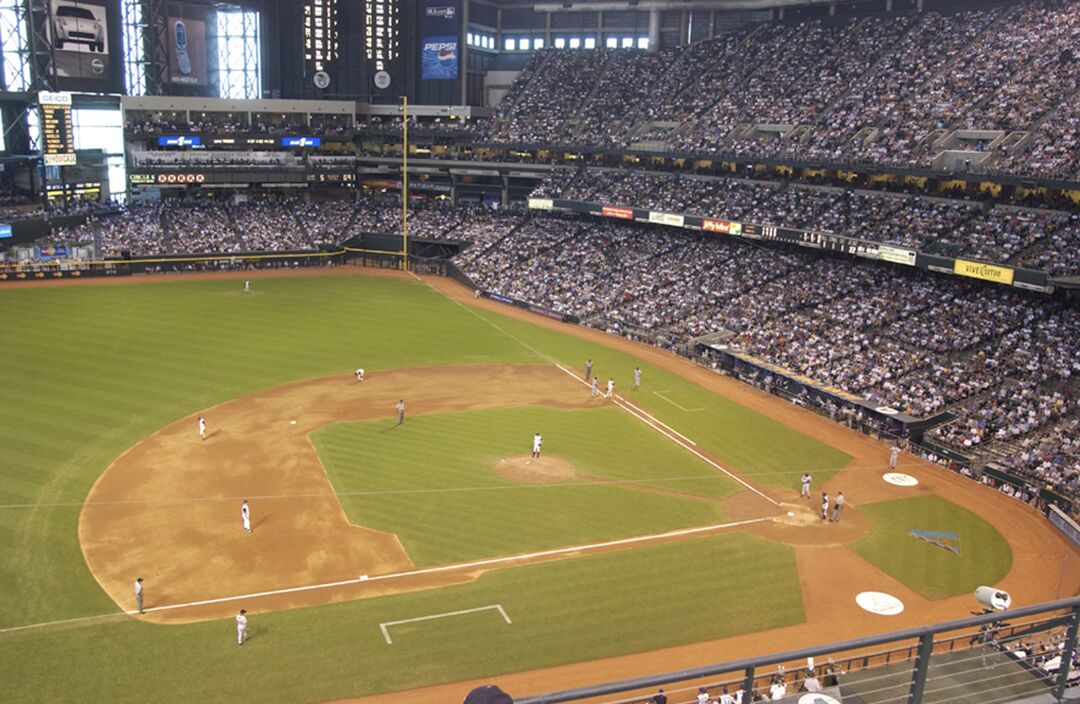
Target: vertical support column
[832,9]
[748,685]
[654,29]
[505,191]
[464,45]
[1066,655]
[922,665]
[684,28]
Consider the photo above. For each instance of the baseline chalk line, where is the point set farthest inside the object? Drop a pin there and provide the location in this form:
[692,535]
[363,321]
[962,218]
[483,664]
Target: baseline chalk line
[677,405]
[385,627]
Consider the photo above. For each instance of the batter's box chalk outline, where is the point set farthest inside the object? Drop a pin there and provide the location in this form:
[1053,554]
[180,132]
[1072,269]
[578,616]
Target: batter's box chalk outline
[385,627]
[942,539]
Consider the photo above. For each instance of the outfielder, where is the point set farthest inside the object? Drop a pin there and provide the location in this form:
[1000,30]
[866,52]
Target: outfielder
[241,627]
[400,411]
[360,374]
[202,428]
[637,378]
[245,515]
[247,286]
[805,491]
[538,440]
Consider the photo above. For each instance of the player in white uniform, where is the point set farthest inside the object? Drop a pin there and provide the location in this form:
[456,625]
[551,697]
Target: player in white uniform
[202,428]
[637,378]
[805,491]
[360,374]
[245,516]
[610,387]
[595,390]
[241,627]
[538,440]
[247,286]
[893,456]
[824,507]
[138,594]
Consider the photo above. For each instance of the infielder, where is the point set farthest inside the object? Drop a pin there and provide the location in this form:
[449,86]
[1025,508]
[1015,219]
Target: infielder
[595,390]
[538,440]
[824,507]
[837,507]
[805,491]
[360,374]
[893,456]
[610,387]
[202,428]
[400,411]
[241,627]
[245,516]
[588,369]
[138,594]
[637,378]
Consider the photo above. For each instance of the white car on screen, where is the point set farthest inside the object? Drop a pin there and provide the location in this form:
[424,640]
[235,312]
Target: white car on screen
[77,25]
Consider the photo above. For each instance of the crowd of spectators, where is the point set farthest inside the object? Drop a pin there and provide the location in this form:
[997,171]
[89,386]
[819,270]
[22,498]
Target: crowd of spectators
[881,88]
[1027,237]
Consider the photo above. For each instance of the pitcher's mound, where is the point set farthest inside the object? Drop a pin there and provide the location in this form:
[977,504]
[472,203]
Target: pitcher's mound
[542,470]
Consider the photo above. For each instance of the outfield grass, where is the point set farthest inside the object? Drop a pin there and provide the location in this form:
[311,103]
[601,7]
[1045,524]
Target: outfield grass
[89,370]
[598,605]
[932,571]
[432,481]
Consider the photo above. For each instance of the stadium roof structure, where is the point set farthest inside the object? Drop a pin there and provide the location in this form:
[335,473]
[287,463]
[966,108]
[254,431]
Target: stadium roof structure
[615,5]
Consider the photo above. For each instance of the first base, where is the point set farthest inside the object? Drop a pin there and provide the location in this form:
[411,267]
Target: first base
[292,422]
[363,578]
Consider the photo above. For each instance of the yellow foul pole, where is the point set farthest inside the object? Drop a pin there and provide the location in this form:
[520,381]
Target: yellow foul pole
[405,183]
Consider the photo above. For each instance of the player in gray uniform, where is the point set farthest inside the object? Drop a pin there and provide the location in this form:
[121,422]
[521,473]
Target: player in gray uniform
[805,491]
[838,506]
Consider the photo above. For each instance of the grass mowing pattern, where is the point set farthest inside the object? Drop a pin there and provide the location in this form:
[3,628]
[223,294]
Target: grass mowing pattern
[499,516]
[935,573]
[565,611]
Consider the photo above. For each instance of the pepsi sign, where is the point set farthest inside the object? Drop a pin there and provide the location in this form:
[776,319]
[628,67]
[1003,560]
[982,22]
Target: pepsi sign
[301,141]
[179,141]
[439,59]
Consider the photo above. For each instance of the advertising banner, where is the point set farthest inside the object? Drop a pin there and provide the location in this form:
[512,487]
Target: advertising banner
[80,35]
[722,226]
[301,141]
[896,255]
[541,204]
[187,51]
[5,231]
[179,141]
[986,272]
[611,211]
[439,58]
[666,219]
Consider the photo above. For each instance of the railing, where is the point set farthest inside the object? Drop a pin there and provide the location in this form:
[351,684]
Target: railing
[992,658]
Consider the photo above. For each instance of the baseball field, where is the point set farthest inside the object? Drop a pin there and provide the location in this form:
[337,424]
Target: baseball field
[660,528]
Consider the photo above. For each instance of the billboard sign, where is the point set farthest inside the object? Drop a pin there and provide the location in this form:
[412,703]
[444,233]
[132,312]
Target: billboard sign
[301,141]
[179,141]
[80,35]
[986,272]
[439,58]
[5,231]
[187,51]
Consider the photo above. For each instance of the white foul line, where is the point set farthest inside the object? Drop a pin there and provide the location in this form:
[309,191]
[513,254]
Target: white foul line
[679,406]
[385,627]
[676,437]
[412,573]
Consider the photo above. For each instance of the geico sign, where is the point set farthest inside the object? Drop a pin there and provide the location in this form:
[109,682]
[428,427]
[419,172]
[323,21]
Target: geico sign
[181,178]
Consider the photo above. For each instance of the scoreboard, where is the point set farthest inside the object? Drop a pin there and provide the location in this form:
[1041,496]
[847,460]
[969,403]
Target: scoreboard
[57,129]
